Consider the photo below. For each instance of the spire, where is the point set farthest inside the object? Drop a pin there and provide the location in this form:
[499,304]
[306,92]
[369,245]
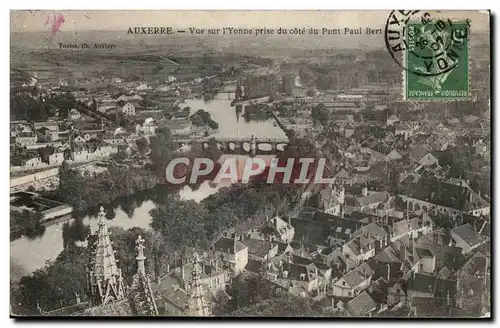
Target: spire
[141,294]
[140,257]
[105,263]
[196,305]
[106,280]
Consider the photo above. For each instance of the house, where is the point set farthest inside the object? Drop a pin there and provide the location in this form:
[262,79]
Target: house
[353,282]
[348,130]
[148,128]
[23,139]
[50,130]
[446,256]
[397,261]
[367,201]
[330,199]
[422,156]
[396,294]
[393,156]
[74,114]
[56,159]
[403,129]
[106,108]
[174,290]
[467,238]
[260,249]
[362,305]
[323,229]
[142,87]
[79,140]
[179,127]
[297,279]
[431,287]
[128,109]
[412,228]
[434,196]
[126,98]
[279,230]
[392,119]
[473,283]
[232,252]
[359,249]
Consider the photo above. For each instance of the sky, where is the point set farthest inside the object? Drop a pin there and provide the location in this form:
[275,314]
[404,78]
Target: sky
[78,20]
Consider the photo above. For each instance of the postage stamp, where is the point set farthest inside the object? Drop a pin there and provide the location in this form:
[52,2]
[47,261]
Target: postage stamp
[443,58]
[434,54]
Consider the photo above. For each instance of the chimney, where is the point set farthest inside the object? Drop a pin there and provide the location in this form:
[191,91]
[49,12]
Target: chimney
[402,253]
[388,272]
[470,196]
[182,269]
[290,220]
[168,268]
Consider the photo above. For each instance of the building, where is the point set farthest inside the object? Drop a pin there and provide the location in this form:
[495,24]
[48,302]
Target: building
[473,284]
[190,289]
[128,109]
[367,201]
[467,238]
[74,114]
[260,86]
[276,230]
[353,282]
[288,84]
[107,292]
[25,139]
[232,252]
[392,119]
[434,196]
[105,281]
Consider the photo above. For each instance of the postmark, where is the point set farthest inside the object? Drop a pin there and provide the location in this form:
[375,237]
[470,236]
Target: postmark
[433,53]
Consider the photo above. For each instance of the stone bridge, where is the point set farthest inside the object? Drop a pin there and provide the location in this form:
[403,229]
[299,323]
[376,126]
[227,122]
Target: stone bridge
[246,145]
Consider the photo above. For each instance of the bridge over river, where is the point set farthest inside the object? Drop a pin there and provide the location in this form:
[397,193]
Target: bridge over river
[242,145]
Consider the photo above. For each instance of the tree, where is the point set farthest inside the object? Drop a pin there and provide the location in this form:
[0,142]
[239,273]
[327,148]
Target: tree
[71,187]
[319,114]
[55,285]
[458,160]
[286,306]
[212,151]
[124,245]
[197,120]
[142,145]
[181,224]
[27,223]
[162,149]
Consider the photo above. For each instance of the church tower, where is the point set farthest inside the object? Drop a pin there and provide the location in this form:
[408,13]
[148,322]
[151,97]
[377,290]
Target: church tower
[105,278]
[196,305]
[141,295]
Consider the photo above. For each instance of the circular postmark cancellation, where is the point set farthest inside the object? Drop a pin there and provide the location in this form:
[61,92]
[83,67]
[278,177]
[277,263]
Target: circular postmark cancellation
[425,45]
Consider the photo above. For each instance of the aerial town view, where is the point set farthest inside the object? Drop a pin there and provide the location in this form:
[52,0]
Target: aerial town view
[250,164]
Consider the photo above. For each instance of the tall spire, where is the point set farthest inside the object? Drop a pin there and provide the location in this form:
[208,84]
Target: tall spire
[196,305]
[106,280]
[140,257]
[141,295]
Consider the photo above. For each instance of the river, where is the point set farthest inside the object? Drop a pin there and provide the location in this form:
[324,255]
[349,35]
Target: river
[27,255]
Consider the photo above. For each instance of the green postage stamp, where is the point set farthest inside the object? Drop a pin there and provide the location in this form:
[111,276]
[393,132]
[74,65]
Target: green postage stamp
[436,60]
